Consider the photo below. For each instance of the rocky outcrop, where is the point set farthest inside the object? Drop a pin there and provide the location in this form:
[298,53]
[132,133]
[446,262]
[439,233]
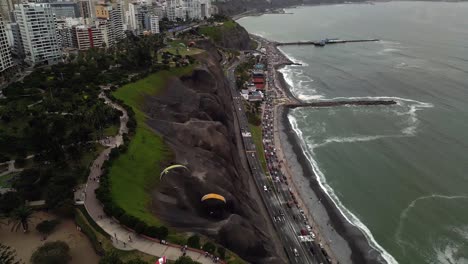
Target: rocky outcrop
[235,38]
[195,117]
[229,36]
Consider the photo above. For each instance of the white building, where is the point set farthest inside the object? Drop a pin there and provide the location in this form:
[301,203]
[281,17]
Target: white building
[65,9]
[191,9]
[38,32]
[6,61]
[152,23]
[110,22]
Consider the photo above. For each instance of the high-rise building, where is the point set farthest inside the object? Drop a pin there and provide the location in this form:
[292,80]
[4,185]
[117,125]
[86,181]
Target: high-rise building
[6,60]
[87,37]
[137,13]
[38,32]
[6,7]
[152,23]
[17,48]
[65,9]
[86,8]
[110,21]
[175,10]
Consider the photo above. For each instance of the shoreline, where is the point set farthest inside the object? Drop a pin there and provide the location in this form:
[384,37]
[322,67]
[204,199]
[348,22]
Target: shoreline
[361,250]
[347,243]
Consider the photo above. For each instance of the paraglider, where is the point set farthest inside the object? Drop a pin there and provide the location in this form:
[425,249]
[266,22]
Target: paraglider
[215,205]
[168,169]
[213,196]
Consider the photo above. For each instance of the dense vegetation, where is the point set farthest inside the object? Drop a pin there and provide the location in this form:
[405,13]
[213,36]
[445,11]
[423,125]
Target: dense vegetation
[56,115]
[134,168]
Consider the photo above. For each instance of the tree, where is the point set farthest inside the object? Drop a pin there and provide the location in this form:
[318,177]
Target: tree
[21,216]
[209,247]
[136,261]
[222,252]
[47,226]
[8,202]
[163,232]
[7,255]
[111,258]
[194,241]
[186,260]
[57,252]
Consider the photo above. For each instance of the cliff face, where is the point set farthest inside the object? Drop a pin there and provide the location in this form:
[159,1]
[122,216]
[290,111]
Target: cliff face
[235,38]
[230,35]
[195,117]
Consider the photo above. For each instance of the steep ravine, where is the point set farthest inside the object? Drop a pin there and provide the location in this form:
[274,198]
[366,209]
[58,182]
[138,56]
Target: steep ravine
[195,117]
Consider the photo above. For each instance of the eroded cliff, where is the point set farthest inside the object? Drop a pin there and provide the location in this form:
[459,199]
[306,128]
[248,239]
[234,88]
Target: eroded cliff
[195,117]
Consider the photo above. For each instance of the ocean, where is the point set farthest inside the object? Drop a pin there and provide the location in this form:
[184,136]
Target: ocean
[399,173]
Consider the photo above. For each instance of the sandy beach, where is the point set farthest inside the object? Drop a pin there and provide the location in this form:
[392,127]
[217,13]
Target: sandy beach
[345,242]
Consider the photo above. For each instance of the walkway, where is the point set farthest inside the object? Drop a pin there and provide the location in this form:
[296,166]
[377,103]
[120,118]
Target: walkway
[116,232]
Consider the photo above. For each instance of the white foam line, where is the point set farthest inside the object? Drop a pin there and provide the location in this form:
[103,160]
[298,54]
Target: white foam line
[412,204]
[413,119]
[291,58]
[352,139]
[348,215]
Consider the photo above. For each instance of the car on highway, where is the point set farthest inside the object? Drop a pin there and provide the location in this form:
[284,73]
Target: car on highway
[296,253]
[312,234]
[265,188]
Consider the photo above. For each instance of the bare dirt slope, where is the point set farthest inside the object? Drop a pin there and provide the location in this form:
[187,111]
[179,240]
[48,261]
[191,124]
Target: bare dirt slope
[194,115]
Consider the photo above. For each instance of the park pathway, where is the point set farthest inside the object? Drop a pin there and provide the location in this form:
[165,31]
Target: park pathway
[118,234]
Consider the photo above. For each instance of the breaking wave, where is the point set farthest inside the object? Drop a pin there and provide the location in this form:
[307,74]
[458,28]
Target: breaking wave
[347,214]
[291,73]
[412,107]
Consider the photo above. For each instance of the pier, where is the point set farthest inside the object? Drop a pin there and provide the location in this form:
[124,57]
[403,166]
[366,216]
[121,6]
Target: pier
[322,43]
[341,103]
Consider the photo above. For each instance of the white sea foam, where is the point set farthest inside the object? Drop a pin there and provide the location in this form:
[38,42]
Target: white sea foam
[449,254]
[291,58]
[351,139]
[411,205]
[305,97]
[347,214]
[413,106]
[387,50]
[303,83]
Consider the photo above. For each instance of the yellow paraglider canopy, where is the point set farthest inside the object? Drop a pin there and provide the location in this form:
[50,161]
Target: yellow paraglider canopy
[166,170]
[213,196]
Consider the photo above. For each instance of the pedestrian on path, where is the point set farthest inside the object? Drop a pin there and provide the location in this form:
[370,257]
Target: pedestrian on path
[115,235]
[129,238]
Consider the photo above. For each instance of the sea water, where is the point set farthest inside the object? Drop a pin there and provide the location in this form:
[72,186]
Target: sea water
[399,173]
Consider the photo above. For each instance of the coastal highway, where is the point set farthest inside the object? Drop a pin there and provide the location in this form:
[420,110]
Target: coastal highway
[288,224]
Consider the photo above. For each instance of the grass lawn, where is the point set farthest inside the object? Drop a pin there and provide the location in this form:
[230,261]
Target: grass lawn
[111,131]
[136,172]
[215,32]
[4,180]
[257,138]
[182,51]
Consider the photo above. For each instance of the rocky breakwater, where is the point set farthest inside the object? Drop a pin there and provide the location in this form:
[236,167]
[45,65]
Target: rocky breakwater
[341,103]
[194,115]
